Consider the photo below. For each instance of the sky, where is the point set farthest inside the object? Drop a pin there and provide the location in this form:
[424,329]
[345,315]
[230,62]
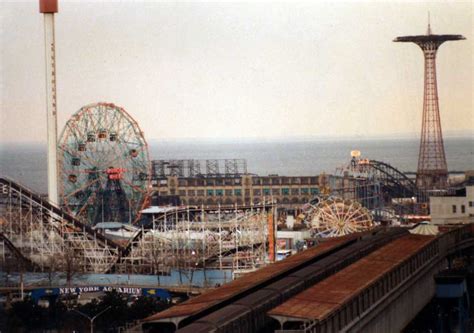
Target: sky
[218,71]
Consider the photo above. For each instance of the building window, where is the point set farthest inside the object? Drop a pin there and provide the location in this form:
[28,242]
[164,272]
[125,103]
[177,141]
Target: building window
[314,190]
[210,182]
[454,209]
[182,182]
[276,191]
[471,203]
[200,182]
[238,192]
[276,181]
[257,192]
[210,193]
[295,191]
[219,192]
[200,193]
[228,192]
[182,193]
[285,191]
[266,191]
[463,209]
[305,190]
[190,193]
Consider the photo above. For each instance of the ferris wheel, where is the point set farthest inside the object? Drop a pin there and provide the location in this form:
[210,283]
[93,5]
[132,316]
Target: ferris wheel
[334,217]
[103,165]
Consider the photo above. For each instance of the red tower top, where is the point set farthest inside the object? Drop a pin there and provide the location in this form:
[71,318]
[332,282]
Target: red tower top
[48,6]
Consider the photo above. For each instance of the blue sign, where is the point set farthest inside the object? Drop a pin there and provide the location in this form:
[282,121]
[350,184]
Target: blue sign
[162,294]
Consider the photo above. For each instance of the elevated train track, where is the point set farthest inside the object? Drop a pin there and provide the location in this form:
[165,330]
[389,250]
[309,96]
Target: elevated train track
[381,266]
[255,294]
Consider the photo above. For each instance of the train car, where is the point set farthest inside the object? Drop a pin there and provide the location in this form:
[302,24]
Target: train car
[260,303]
[287,287]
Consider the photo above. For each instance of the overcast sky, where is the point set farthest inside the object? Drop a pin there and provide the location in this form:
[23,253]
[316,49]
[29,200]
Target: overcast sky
[237,70]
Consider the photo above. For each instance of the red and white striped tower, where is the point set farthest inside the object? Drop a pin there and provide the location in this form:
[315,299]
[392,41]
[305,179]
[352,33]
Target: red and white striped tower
[48,8]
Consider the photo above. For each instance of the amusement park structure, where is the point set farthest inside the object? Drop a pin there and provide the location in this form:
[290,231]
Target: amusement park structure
[335,217]
[43,237]
[232,240]
[379,187]
[432,170]
[104,165]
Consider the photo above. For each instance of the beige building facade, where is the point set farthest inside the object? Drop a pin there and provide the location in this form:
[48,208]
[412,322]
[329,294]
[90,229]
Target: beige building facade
[241,190]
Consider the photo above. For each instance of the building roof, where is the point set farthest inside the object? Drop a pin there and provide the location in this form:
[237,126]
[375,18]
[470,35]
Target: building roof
[159,209]
[110,225]
[425,228]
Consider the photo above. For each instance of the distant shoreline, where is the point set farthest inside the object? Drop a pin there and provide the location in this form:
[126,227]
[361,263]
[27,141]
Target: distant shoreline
[391,138]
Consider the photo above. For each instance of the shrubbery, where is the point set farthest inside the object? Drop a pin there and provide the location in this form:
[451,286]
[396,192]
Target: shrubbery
[27,316]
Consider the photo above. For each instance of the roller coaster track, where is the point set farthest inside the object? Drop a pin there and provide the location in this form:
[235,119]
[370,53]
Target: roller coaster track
[41,234]
[9,187]
[44,235]
[395,182]
[29,265]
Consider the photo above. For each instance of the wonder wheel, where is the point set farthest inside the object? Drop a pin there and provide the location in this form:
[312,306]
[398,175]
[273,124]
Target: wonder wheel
[333,217]
[104,165]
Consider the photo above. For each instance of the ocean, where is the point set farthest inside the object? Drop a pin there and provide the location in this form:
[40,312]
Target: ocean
[26,163]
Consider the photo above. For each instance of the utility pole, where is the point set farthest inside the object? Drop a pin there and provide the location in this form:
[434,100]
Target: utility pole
[48,8]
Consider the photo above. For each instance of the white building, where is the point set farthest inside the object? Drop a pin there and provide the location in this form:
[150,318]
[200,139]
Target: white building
[456,208]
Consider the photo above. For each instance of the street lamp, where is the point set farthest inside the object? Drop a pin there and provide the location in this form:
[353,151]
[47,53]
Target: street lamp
[91,319]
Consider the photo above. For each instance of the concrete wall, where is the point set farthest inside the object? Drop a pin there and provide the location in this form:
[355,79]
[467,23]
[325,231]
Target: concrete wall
[396,310]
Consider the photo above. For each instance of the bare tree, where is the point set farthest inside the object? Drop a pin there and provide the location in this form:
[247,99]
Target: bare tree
[71,264]
[51,266]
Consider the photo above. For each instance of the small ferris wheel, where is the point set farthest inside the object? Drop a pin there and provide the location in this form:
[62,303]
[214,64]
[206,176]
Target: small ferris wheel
[334,217]
[103,165]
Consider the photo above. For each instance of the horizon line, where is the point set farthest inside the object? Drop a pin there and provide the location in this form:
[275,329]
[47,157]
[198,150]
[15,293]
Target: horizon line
[302,138]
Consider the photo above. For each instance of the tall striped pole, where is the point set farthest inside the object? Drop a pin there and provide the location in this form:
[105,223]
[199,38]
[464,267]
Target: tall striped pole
[48,8]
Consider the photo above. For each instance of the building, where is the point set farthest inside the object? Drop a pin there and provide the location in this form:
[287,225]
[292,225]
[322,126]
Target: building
[457,206]
[241,190]
[226,182]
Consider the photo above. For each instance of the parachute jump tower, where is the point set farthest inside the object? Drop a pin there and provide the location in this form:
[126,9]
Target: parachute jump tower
[432,170]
